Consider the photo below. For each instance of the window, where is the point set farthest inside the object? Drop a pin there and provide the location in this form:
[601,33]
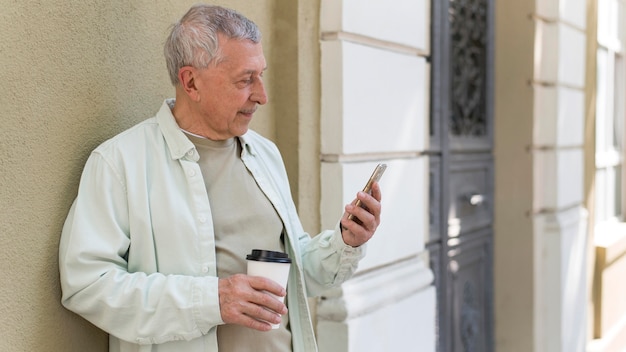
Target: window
[610,112]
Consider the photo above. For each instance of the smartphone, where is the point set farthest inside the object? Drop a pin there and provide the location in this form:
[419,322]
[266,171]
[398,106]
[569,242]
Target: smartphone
[376,175]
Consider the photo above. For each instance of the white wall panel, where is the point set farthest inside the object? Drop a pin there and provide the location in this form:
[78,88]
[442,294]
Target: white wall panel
[560,284]
[572,50]
[545,115]
[574,12]
[571,117]
[558,178]
[570,172]
[383,94]
[404,205]
[404,22]
[566,64]
[403,326]
[547,8]
[559,116]
[570,11]
[546,57]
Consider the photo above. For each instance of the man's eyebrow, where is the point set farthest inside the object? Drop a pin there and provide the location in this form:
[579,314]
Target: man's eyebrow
[251,71]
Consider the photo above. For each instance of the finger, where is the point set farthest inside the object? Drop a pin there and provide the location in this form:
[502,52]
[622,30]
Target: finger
[355,234]
[270,294]
[267,295]
[262,313]
[370,205]
[376,191]
[260,283]
[257,323]
[270,302]
[255,317]
[363,219]
[359,216]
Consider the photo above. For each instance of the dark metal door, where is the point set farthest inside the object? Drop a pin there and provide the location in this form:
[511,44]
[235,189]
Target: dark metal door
[461,173]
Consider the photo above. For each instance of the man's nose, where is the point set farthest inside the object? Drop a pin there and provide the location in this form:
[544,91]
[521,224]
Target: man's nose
[258,94]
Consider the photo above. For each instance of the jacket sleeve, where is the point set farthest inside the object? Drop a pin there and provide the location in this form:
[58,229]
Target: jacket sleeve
[143,308]
[327,261]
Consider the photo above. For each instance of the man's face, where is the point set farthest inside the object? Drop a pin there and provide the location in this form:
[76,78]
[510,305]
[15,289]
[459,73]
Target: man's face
[230,91]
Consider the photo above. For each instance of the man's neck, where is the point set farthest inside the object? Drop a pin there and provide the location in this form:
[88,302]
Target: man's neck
[182,112]
[186,117]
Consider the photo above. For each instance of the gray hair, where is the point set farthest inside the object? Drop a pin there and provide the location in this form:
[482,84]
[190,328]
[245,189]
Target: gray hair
[193,39]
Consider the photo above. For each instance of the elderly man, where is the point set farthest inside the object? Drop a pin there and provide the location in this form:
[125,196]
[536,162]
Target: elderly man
[153,249]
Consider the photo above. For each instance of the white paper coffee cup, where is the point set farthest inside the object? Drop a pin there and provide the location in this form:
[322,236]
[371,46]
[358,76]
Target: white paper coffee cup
[272,265]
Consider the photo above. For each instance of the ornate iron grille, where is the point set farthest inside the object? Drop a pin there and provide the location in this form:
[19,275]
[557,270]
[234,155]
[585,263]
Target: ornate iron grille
[468,33]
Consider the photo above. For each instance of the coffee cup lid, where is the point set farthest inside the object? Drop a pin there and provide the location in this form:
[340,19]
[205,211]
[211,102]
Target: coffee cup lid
[261,255]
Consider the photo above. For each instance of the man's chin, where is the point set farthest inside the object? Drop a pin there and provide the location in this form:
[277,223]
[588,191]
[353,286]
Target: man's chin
[242,131]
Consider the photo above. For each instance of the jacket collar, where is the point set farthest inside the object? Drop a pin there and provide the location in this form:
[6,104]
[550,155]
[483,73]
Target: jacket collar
[179,145]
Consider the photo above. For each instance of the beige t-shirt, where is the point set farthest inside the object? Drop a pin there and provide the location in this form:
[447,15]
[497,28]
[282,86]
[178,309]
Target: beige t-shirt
[243,219]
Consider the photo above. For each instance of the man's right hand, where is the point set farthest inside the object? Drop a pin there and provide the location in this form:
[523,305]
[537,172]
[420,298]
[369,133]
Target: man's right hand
[244,301]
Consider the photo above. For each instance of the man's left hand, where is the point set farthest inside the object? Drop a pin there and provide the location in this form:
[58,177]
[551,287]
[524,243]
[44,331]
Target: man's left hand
[355,233]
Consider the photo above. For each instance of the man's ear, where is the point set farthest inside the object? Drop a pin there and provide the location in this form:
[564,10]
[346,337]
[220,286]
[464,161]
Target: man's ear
[187,79]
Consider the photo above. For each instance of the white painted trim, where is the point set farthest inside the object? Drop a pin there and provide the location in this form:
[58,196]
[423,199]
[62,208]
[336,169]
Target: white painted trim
[374,290]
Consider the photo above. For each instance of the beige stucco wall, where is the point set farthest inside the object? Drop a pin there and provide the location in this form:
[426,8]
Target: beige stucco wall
[74,73]
[513,128]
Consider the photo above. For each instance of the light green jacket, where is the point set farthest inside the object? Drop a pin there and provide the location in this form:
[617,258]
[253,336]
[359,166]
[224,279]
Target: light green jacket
[137,252]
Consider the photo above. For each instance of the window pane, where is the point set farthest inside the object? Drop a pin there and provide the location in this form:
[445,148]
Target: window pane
[610,112]
[601,102]
[621,25]
[618,193]
[608,23]
[600,196]
[620,117]
[611,192]
[603,20]
[618,103]
[608,199]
